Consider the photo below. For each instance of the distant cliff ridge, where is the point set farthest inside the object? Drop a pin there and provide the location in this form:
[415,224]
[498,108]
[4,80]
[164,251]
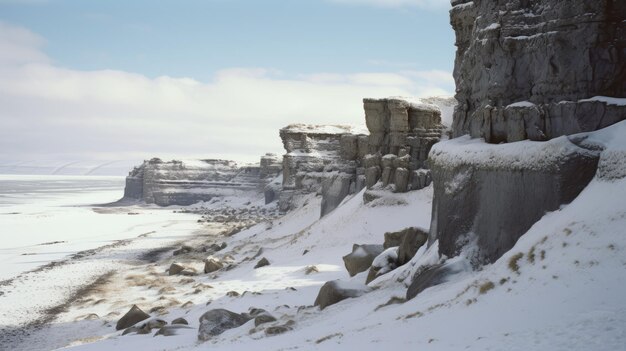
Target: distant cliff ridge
[187,182]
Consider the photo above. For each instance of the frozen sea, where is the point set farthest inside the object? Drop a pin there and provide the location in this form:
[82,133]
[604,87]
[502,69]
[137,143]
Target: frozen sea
[56,237]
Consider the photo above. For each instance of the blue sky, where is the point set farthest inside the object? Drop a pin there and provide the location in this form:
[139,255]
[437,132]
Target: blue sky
[106,72]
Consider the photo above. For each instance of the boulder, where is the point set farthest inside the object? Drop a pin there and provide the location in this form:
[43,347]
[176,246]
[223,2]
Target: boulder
[180,321]
[361,258]
[183,250]
[217,321]
[383,263]
[175,268]
[212,265]
[393,239]
[412,239]
[336,290]
[132,317]
[262,263]
[263,318]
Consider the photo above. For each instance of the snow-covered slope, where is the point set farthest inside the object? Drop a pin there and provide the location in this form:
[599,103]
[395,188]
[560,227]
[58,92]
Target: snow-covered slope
[561,287]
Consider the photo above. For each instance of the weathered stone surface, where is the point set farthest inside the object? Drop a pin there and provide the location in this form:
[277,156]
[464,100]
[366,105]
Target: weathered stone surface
[402,180]
[420,179]
[524,68]
[412,239]
[217,321]
[498,192]
[171,330]
[263,318]
[383,263]
[262,263]
[336,290]
[335,188]
[132,317]
[372,174]
[212,265]
[314,153]
[175,268]
[180,321]
[431,276]
[185,183]
[361,258]
[404,131]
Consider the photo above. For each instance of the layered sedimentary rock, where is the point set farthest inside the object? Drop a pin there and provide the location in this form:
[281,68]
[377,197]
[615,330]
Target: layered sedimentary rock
[402,133]
[538,69]
[491,195]
[185,183]
[320,159]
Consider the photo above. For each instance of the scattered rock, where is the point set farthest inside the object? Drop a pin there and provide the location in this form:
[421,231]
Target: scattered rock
[212,265]
[132,317]
[361,258]
[215,322]
[232,293]
[263,318]
[336,290]
[262,263]
[180,321]
[279,329]
[183,250]
[171,330]
[189,272]
[175,268]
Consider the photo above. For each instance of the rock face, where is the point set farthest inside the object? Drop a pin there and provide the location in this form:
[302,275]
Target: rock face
[402,133]
[538,69]
[320,159]
[494,193]
[185,183]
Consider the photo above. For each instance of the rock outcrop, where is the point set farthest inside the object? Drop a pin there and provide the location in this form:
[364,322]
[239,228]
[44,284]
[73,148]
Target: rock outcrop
[494,193]
[402,133]
[187,182]
[320,159]
[538,69]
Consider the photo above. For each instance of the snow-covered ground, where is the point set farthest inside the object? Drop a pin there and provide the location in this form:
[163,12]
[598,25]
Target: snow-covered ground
[55,240]
[560,288]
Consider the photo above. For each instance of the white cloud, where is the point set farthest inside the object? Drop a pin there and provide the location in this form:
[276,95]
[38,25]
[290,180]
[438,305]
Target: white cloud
[58,113]
[429,4]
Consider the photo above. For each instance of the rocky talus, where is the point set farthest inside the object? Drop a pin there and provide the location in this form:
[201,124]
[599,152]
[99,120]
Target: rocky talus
[538,69]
